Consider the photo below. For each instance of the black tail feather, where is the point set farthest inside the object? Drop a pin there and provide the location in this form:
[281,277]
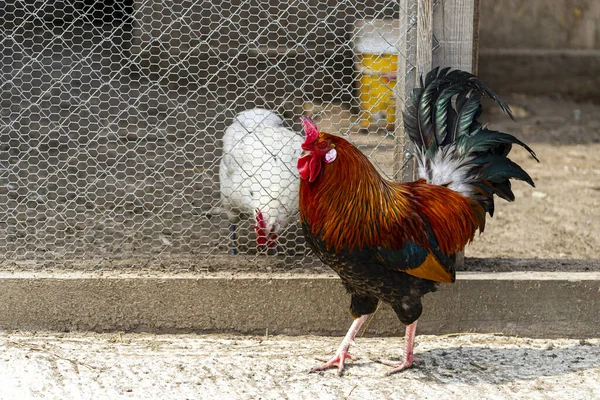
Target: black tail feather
[444,112]
[445,107]
[483,140]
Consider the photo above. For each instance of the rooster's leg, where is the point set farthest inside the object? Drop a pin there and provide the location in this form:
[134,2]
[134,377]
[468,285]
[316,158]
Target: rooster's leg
[342,352]
[232,238]
[409,338]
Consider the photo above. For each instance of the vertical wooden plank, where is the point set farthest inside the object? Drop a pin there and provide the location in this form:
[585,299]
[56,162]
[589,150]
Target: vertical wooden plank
[405,82]
[475,66]
[420,42]
[456,27]
[424,36]
[455,24]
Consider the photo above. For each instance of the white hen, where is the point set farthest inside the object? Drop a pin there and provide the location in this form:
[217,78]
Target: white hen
[258,174]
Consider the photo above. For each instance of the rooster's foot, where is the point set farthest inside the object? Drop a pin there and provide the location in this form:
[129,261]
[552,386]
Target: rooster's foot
[335,361]
[399,365]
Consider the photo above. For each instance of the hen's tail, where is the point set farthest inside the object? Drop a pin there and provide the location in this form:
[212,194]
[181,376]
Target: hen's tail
[454,149]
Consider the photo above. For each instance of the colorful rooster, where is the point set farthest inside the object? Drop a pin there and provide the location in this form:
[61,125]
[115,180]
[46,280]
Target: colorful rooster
[394,242]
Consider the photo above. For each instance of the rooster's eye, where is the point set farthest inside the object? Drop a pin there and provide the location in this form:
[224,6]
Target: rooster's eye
[322,145]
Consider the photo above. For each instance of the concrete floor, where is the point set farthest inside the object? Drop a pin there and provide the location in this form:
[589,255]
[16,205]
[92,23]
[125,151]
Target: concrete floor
[142,366]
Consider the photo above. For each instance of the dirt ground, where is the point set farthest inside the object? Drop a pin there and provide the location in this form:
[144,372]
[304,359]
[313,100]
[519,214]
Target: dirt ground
[560,217]
[138,366]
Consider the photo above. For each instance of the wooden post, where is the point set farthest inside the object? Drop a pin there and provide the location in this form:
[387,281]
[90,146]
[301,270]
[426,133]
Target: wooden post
[416,60]
[424,36]
[404,84]
[456,27]
[455,24]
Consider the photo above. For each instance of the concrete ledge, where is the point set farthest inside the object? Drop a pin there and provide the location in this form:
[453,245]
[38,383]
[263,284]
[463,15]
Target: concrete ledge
[534,304]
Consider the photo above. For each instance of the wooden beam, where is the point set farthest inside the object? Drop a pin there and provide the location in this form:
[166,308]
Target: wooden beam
[475,37]
[409,70]
[456,27]
[424,36]
[405,82]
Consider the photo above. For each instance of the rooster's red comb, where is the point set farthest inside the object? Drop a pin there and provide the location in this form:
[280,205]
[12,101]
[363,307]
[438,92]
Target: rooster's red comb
[310,129]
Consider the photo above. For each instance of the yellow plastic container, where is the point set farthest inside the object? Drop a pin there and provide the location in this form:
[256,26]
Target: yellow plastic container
[376,63]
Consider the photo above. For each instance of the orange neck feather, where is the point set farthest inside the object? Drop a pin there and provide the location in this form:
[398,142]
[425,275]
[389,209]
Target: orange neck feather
[350,204]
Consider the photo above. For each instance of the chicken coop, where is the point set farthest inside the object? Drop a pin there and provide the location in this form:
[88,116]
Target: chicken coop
[114,114]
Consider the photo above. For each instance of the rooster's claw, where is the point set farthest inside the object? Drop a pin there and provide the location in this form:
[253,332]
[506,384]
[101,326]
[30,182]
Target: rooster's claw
[335,361]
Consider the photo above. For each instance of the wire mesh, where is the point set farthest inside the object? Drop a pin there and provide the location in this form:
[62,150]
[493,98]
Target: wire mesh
[113,116]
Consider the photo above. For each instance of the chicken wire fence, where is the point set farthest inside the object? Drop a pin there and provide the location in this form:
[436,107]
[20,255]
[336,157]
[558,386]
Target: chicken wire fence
[113,116]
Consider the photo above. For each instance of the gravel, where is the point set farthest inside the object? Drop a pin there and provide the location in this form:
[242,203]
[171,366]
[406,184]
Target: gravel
[143,366]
